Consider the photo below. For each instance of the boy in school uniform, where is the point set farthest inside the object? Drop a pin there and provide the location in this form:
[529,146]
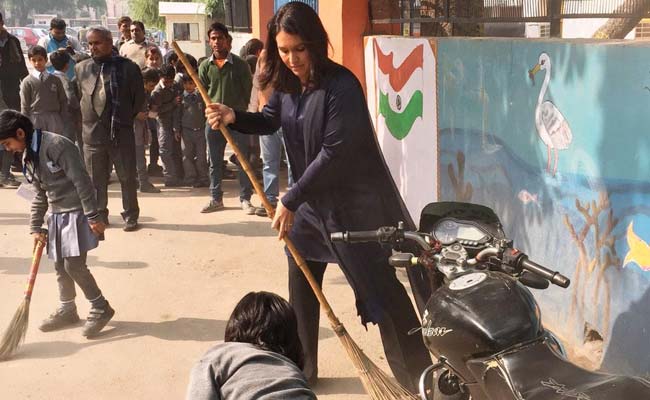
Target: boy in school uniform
[164,99]
[150,77]
[195,160]
[42,96]
[62,186]
[60,60]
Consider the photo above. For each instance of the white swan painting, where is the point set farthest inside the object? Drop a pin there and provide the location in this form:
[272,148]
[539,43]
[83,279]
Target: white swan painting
[551,125]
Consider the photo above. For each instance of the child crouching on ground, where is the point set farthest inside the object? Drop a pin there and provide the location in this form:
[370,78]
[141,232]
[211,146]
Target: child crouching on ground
[195,159]
[261,357]
[60,182]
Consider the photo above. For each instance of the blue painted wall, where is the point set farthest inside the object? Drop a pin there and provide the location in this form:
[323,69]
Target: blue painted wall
[578,219]
[279,3]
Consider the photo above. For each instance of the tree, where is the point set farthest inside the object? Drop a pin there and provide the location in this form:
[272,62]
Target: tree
[147,12]
[98,5]
[618,28]
[215,9]
[21,10]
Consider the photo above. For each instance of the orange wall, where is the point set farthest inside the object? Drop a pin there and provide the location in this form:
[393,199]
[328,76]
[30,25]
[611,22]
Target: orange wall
[346,21]
[261,13]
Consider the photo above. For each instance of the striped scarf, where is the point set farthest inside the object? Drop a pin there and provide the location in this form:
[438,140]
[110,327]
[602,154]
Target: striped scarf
[114,63]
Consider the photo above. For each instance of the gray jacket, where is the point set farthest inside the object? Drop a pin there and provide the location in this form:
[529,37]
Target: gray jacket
[163,100]
[193,111]
[96,128]
[242,371]
[61,181]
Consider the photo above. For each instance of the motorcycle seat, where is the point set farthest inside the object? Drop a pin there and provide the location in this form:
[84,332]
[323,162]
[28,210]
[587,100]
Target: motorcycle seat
[539,372]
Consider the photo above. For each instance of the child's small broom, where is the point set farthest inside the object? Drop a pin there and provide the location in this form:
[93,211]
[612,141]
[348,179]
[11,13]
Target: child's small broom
[15,333]
[378,385]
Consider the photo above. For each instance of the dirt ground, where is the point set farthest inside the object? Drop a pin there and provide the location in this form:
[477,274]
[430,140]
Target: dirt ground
[173,284]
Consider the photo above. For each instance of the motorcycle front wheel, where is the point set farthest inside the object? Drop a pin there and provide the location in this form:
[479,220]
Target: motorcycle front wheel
[438,383]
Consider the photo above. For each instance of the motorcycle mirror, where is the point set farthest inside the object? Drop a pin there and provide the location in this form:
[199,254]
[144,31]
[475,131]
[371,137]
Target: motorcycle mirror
[533,281]
[401,260]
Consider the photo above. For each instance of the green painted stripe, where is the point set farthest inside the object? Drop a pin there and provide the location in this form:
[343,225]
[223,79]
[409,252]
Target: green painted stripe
[400,124]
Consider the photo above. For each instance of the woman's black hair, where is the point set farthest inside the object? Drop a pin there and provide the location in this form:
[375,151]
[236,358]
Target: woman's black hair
[267,321]
[10,122]
[251,48]
[300,19]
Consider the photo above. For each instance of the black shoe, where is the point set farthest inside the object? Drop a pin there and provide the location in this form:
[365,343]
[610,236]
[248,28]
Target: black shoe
[97,320]
[10,181]
[261,212]
[130,226]
[147,187]
[155,170]
[58,320]
[173,183]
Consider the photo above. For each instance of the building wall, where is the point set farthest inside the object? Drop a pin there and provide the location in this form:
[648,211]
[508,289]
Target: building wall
[197,48]
[579,204]
[346,21]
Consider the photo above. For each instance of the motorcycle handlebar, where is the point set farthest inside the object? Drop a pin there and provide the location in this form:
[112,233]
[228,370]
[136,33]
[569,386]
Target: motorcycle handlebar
[385,234]
[554,277]
[355,237]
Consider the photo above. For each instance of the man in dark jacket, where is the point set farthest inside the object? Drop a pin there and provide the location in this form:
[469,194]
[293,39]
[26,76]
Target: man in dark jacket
[12,71]
[111,93]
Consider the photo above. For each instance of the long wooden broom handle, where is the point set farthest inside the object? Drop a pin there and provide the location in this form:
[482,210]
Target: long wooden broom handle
[33,270]
[260,192]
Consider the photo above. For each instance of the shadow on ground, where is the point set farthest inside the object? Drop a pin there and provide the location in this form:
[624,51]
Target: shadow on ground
[14,219]
[195,329]
[20,265]
[344,385]
[260,228]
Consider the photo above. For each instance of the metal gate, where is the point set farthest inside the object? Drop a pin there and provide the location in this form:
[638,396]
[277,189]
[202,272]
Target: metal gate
[420,11]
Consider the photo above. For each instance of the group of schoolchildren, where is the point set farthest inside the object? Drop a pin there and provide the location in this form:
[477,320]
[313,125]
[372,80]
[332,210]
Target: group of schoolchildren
[173,114]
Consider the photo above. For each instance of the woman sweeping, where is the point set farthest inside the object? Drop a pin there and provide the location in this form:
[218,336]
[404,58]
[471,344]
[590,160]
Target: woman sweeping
[53,166]
[341,183]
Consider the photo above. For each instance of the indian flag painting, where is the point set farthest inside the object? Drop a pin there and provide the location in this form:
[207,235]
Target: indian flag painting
[401,82]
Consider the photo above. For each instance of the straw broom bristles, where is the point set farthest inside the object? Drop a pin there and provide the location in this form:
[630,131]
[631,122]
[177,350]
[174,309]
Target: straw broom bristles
[377,384]
[15,333]
[17,329]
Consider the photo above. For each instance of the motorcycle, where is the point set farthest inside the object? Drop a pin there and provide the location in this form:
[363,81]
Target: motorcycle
[482,322]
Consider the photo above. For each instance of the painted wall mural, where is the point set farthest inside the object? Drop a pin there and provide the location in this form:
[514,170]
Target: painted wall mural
[554,136]
[400,83]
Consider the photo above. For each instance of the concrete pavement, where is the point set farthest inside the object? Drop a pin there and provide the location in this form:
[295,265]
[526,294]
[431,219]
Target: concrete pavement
[173,284]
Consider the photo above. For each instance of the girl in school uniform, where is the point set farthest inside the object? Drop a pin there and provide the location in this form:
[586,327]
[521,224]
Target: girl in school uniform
[60,183]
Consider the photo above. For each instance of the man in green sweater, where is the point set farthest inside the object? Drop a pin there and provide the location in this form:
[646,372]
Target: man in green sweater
[228,81]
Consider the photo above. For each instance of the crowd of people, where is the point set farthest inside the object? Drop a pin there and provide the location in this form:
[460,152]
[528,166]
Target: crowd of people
[83,116]
[160,108]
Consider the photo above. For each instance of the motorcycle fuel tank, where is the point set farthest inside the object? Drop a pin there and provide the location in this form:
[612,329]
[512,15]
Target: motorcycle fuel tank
[479,314]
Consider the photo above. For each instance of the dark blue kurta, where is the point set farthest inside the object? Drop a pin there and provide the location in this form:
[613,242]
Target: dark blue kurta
[342,182]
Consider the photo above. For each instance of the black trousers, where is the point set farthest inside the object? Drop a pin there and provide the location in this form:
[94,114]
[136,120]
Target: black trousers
[406,355]
[154,148]
[99,159]
[73,270]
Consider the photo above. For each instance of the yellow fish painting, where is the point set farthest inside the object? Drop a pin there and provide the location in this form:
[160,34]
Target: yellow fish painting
[639,250]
